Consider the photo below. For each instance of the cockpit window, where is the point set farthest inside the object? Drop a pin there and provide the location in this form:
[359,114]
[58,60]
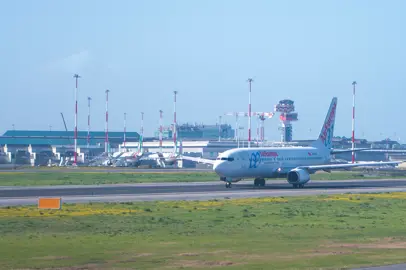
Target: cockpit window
[228,159]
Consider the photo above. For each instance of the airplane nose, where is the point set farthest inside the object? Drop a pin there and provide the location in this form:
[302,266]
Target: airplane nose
[218,167]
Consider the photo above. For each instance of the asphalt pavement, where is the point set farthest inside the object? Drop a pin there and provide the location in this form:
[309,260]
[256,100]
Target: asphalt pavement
[190,191]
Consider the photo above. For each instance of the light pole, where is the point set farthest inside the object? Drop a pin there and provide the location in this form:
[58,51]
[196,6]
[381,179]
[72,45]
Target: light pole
[353,121]
[107,122]
[250,80]
[160,130]
[76,76]
[88,121]
[220,128]
[142,125]
[174,118]
[125,120]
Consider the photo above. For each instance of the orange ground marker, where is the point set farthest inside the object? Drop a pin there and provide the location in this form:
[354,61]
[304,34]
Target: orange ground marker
[49,203]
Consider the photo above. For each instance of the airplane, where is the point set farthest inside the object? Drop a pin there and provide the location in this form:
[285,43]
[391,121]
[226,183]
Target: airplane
[168,158]
[294,163]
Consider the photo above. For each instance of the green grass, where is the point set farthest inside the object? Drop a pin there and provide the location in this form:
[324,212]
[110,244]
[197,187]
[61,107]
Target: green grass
[93,178]
[53,177]
[300,232]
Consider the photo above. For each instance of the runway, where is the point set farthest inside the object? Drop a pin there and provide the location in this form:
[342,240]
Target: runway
[190,191]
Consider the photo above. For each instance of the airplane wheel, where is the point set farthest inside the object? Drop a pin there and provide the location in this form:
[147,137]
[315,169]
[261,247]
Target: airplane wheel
[294,185]
[301,186]
[228,185]
[259,182]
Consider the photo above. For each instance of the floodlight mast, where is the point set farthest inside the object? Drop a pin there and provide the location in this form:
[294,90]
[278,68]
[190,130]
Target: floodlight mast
[76,76]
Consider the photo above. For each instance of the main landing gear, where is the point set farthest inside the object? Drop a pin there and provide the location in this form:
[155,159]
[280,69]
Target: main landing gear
[298,185]
[228,184]
[259,182]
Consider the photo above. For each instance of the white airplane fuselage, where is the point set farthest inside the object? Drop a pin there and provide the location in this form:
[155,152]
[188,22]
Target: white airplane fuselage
[267,162]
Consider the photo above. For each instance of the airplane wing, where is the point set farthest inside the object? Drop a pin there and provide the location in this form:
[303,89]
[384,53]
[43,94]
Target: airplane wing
[339,151]
[198,159]
[347,165]
[388,151]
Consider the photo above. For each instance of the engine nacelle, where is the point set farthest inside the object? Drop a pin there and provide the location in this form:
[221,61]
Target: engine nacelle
[298,176]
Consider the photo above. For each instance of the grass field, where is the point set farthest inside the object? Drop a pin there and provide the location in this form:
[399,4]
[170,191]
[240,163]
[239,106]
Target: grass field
[91,178]
[269,233]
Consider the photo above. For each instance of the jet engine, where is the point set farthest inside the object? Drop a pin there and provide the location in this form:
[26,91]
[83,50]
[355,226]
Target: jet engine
[298,177]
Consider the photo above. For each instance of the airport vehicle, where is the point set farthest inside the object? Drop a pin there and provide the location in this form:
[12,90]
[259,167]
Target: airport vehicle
[294,163]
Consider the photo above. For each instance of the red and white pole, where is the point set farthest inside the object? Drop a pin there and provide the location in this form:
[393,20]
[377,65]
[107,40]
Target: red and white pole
[220,128]
[88,121]
[125,127]
[174,118]
[258,124]
[76,76]
[106,141]
[142,131]
[160,130]
[249,114]
[142,125]
[236,127]
[353,121]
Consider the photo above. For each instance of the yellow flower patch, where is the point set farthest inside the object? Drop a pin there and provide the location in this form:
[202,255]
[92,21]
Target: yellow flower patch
[71,210]
[203,205]
[363,197]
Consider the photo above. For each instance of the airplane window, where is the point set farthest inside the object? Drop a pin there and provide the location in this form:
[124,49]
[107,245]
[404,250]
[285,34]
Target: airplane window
[230,159]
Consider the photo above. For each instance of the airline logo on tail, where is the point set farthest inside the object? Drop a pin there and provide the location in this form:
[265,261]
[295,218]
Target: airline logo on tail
[328,127]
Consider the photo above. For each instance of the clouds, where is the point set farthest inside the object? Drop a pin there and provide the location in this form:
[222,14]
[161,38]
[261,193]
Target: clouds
[74,63]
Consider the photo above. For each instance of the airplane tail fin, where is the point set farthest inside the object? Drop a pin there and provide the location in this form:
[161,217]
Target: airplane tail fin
[178,148]
[140,146]
[325,139]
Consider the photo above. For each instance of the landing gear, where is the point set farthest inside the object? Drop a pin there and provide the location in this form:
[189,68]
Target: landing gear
[298,185]
[259,182]
[228,184]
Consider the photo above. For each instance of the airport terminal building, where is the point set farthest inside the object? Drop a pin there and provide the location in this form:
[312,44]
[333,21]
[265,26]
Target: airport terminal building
[38,148]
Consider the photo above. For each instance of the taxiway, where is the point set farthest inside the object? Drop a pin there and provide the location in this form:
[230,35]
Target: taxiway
[190,191]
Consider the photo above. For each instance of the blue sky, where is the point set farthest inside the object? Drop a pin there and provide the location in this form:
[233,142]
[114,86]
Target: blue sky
[308,51]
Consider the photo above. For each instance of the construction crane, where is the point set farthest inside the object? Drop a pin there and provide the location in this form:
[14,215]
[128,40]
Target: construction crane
[66,128]
[261,116]
[63,119]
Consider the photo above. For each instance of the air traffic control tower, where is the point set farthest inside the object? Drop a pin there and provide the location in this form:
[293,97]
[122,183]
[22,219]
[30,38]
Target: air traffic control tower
[286,109]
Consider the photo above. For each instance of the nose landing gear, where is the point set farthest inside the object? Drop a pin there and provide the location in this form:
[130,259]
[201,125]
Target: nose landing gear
[228,184]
